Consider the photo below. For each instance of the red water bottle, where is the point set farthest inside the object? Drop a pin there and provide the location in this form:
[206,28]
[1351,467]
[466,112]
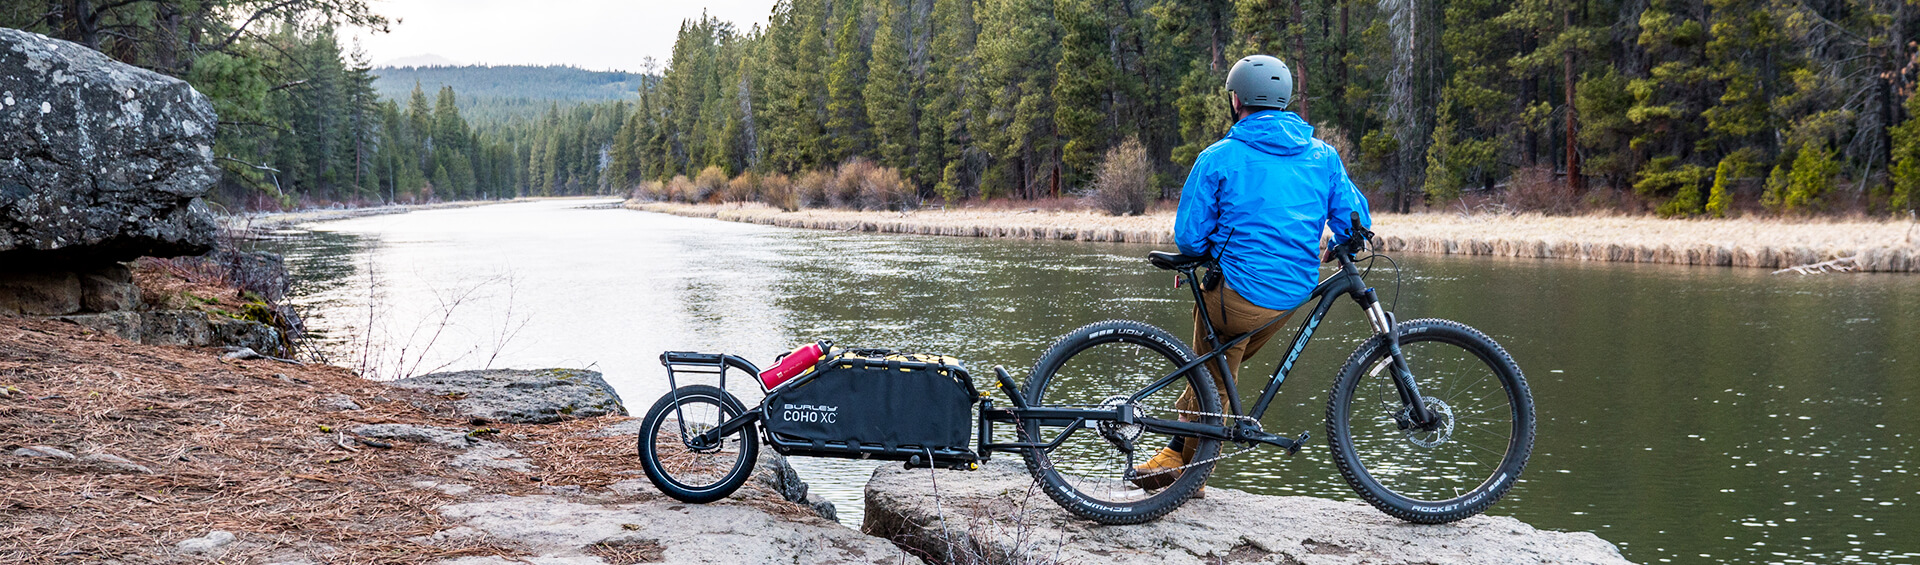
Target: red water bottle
[793,364]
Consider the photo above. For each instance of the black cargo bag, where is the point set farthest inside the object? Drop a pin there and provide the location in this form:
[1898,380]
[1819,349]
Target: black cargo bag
[875,404]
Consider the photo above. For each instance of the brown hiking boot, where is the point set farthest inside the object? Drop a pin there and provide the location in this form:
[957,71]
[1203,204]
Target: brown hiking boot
[1158,472]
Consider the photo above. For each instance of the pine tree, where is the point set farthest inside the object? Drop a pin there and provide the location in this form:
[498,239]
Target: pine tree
[1082,91]
[888,91]
[1906,158]
[943,119]
[1471,134]
[846,82]
[1199,33]
[1667,102]
[1016,55]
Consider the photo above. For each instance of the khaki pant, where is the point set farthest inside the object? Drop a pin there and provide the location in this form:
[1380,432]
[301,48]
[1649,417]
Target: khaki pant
[1232,316]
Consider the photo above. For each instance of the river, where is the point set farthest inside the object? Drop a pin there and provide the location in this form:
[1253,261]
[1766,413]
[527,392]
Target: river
[1690,415]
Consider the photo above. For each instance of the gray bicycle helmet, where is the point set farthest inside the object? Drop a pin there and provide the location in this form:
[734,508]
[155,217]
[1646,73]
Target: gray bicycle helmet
[1261,81]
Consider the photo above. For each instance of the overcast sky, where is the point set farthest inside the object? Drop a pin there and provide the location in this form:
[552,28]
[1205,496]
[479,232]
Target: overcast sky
[592,34]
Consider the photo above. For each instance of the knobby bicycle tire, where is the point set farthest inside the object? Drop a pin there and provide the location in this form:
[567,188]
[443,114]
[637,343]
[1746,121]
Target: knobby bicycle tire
[1370,363]
[1059,485]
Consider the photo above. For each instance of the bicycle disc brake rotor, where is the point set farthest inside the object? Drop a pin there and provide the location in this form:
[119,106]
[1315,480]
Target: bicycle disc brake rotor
[1122,435]
[1440,432]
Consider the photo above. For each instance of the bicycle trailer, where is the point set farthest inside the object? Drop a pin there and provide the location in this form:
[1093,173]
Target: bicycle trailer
[858,403]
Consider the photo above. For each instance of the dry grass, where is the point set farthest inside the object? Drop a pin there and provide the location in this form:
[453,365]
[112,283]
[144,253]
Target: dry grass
[644,551]
[237,446]
[1883,245]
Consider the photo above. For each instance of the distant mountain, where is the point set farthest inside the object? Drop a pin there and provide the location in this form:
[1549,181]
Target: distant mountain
[421,60]
[503,93]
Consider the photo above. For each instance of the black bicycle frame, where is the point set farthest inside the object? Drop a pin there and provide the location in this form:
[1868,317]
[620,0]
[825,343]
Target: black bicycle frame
[1346,281]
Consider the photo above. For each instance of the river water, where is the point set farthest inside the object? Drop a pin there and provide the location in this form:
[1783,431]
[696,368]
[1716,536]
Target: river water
[1690,415]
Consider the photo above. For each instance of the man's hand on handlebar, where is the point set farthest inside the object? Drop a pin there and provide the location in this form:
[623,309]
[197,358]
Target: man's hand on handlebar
[1356,242]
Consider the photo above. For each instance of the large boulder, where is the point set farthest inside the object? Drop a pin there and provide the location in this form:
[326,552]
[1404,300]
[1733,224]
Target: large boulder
[522,396]
[99,161]
[997,514]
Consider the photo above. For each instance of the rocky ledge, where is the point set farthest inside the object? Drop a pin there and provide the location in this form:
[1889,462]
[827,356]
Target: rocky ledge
[523,397]
[997,515]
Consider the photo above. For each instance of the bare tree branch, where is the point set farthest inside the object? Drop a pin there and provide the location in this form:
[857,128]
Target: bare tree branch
[288,85]
[257,14]
[256,124]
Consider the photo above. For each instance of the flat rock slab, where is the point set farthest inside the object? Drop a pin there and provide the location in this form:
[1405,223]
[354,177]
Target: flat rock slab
[997,513]
[523,396]
[559,531]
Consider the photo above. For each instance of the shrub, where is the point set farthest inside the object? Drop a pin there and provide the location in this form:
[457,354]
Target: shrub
[680,189]
[651,191]
[1800,186]
[1667,175]
[743,188]
[1737,164]
[812,188]
[1538,189]
[883,189]
[777,190]
[1124,183]
[708,184]
[844,192]
[1812,177]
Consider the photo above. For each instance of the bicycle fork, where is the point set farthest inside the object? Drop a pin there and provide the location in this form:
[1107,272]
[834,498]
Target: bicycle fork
[1417,414]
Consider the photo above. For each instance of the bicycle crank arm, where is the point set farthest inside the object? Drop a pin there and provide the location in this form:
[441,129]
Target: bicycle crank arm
[1292,445]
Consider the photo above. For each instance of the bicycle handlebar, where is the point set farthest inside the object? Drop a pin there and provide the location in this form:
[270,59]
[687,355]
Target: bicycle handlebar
[1357,237]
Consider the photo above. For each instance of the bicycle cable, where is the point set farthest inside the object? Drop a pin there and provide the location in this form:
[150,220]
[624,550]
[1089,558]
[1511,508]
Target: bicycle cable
[1397,276]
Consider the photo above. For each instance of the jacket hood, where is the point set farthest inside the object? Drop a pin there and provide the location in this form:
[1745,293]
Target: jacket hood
[1277,132]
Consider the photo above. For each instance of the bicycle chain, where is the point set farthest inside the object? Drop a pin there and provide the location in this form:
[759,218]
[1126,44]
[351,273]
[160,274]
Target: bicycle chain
[1248,419]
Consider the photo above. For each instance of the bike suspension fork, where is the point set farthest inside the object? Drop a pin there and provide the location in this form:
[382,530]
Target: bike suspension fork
[1385,324]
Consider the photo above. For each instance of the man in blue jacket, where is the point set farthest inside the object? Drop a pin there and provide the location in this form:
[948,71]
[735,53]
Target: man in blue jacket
[1256,201]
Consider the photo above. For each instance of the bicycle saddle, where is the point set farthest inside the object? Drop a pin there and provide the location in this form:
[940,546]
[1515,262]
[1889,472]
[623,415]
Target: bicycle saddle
[1172,261]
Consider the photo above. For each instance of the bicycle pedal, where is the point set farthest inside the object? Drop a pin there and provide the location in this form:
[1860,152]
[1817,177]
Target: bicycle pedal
[1299,441]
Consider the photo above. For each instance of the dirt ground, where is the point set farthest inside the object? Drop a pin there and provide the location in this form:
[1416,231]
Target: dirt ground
[249,447]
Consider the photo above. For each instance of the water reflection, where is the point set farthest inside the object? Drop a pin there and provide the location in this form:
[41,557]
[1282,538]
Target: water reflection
[1691,415]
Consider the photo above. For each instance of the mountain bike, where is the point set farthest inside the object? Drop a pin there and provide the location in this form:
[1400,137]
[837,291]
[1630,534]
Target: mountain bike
[1429,420]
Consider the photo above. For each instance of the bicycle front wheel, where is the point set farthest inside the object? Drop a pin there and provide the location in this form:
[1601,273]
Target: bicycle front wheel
[1090,471]
[678,463]
[1457,466]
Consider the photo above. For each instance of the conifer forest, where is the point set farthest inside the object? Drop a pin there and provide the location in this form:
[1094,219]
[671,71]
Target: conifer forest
[1674,107]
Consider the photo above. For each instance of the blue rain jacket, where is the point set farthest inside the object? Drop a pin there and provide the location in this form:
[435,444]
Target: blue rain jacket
[1257,200]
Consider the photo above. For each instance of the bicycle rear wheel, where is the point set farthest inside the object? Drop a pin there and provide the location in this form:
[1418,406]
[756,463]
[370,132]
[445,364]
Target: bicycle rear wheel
[1104,364]
[682,467]
[1454,469]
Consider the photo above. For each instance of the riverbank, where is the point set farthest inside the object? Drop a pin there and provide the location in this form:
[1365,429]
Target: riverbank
[1872,245]
[264,221]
